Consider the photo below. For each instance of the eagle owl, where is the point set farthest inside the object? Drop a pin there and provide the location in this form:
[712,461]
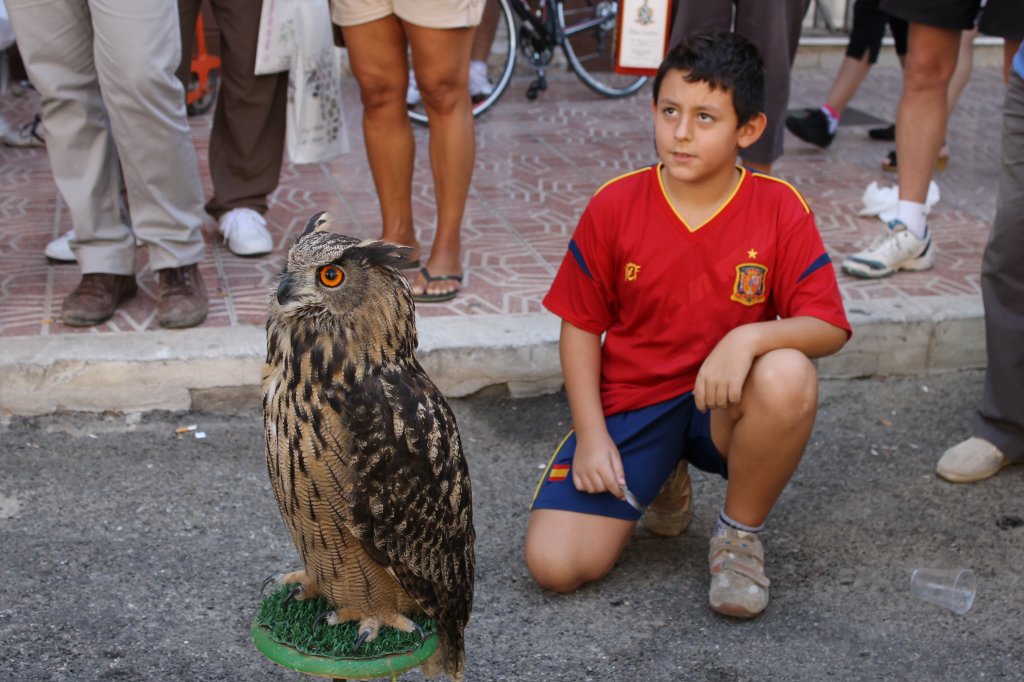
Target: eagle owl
[363,451]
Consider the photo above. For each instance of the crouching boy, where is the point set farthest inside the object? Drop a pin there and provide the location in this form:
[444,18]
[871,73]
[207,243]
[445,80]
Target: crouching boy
[712,289]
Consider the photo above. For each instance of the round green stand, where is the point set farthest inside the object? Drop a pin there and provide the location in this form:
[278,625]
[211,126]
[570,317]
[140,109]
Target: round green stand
[342,668]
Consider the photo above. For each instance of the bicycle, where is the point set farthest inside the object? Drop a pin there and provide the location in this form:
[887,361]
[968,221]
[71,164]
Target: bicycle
[583,29]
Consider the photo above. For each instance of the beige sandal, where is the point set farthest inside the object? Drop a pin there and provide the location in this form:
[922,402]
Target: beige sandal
[739,587]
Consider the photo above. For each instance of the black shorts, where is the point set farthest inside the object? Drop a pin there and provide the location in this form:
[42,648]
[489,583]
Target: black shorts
[1005,17]
[869,28]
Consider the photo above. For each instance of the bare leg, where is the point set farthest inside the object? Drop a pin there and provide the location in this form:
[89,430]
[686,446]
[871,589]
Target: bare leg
[440,60]
[921,123]
[483,35]
[565,550]
[1010,48]
[964,65]
[778,406]
[377,53]
[851,74]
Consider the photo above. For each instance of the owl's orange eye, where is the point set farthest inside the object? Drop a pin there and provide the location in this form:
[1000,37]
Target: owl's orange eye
[331,276]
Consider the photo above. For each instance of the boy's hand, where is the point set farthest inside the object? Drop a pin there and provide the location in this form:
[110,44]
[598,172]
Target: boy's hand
[597,466]
[721,377]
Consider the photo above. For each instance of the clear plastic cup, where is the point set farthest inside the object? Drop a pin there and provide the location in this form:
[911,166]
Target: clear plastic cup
[950,588]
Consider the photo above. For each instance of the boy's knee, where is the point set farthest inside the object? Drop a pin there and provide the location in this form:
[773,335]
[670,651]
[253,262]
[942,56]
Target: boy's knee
[787,378]
[557,570]
[547,570]
[554,578]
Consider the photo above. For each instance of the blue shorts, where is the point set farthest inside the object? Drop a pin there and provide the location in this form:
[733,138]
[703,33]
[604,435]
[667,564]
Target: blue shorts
[651,442]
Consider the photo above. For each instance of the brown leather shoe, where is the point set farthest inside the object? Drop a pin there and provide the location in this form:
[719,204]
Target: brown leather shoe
[182,298]
[96,298]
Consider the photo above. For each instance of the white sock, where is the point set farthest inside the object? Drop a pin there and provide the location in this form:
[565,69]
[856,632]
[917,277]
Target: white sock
[725,521]
[832,116]
[912,214]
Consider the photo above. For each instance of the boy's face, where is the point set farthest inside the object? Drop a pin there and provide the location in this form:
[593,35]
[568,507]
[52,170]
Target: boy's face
[696,130]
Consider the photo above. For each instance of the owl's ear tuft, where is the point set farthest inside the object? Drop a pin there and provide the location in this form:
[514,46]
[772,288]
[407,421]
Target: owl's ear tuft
[380,253]
[321,222]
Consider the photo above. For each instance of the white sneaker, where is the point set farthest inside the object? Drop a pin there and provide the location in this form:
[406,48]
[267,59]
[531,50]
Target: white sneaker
[480,85]
[245,232]
[412,92]
[897,249]
[60,248]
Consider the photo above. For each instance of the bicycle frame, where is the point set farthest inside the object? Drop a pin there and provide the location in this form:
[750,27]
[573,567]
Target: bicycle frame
[548,26]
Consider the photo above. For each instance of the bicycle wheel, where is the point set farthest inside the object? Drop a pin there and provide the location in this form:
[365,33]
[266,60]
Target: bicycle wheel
[500,64]
[588,27]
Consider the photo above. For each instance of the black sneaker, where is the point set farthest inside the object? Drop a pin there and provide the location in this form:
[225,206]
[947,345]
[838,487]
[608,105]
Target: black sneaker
[886,134]
[810,125]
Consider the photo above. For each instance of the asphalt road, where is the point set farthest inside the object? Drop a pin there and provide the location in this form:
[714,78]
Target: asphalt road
[132,553]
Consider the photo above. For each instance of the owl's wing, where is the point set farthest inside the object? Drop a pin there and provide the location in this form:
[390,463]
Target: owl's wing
[414,514]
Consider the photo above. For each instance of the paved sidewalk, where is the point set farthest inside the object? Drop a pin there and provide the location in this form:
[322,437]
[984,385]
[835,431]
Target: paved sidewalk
[537,165]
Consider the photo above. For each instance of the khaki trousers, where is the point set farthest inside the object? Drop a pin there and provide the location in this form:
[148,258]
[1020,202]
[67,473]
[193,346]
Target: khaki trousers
[104,70]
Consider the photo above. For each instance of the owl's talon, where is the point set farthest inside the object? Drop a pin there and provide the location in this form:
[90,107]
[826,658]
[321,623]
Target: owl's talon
[417,628]
[292,593]
[271,579]
[323,616]
[363,636]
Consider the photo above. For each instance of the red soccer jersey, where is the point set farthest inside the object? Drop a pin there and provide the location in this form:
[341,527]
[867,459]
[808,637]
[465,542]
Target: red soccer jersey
[665,293]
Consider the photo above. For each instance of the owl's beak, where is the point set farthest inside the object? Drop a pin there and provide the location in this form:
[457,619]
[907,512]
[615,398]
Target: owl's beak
[284,289]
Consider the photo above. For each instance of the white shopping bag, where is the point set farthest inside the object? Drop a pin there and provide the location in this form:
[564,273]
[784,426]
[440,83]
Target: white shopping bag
[315,116]
[277,42]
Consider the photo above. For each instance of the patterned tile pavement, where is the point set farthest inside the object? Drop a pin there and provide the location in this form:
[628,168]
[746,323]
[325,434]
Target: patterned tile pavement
[537,164]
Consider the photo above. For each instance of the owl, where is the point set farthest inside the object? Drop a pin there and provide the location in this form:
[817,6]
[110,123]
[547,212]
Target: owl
[363,451]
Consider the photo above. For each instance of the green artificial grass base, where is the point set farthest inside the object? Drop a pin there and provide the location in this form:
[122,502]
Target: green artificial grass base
[291,623]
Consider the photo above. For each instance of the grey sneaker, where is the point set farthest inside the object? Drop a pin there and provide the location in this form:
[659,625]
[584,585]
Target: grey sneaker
[739,587]
[672,510]
[974,459]
[897,249]
[28,135]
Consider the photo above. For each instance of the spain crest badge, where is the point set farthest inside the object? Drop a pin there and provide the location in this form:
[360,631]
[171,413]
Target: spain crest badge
[749,288]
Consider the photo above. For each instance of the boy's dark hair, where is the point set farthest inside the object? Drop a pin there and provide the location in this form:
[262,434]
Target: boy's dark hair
[725,61]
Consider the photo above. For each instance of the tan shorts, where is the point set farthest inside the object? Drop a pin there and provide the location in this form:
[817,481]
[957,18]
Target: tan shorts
[425,13]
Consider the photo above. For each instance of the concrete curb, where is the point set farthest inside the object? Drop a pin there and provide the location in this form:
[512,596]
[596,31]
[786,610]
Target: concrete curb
[219,369]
